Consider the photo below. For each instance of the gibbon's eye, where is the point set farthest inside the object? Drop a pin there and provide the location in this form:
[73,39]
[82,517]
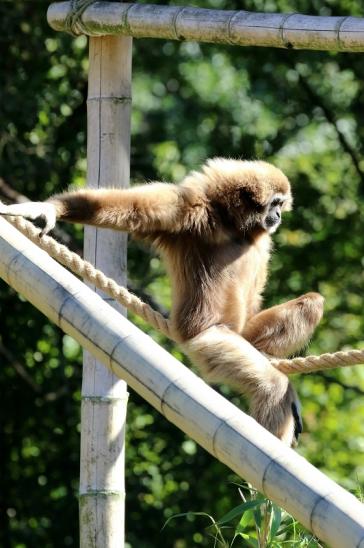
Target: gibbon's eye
[276,202]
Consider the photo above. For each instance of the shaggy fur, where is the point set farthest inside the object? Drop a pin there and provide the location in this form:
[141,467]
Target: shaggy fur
[213,231]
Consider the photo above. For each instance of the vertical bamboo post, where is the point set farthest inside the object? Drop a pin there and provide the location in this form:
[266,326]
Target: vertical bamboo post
[104,396]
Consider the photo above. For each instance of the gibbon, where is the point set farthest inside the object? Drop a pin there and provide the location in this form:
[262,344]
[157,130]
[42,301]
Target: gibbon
[213,231]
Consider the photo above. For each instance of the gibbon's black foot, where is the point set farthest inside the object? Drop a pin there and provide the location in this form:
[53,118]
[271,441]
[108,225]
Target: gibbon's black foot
[298,426]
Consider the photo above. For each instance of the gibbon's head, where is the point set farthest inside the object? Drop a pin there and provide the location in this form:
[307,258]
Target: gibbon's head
[246,194]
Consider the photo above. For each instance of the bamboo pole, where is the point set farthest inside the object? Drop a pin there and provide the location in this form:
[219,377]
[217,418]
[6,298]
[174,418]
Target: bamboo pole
[241,28]
[104,395]
[233,437]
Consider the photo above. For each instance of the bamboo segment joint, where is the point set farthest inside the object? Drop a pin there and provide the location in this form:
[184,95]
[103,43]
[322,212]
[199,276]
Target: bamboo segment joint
[111,99]
[104,399]
[102,493]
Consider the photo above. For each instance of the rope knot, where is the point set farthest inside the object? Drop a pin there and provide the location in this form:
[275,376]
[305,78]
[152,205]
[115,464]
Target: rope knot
[73,23]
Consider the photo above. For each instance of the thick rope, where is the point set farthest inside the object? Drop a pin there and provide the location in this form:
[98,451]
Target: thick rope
[88,272]
[309,364]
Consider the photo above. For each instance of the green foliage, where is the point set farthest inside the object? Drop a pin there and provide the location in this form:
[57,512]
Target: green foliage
[256,523]
[302,110]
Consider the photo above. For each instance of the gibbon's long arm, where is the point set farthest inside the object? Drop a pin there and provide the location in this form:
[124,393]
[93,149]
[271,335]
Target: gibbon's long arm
[153,207]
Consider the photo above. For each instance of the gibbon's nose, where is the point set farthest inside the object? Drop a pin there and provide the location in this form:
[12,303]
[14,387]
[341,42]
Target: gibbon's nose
[278,214]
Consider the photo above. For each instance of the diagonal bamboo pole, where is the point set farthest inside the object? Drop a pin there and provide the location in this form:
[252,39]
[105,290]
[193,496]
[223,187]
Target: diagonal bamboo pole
[241,28]
[330,512]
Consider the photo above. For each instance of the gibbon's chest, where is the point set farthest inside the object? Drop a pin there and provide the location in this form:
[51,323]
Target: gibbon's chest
[232,267]
[249,262]
[244,284]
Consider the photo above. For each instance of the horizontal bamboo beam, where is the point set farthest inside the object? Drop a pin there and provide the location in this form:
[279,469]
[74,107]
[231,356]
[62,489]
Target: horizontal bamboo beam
[240,28]
[234,438]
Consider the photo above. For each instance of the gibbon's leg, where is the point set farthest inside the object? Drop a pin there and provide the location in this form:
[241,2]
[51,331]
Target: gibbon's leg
[225,356]
[283,330]
[158,206]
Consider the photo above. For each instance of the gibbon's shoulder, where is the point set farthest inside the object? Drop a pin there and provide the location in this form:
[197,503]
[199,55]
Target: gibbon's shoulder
[224,179]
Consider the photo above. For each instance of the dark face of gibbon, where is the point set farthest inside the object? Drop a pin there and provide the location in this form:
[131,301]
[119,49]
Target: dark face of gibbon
[272,215]
[249,216]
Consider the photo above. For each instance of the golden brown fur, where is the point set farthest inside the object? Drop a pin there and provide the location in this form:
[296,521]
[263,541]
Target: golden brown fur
[213,231]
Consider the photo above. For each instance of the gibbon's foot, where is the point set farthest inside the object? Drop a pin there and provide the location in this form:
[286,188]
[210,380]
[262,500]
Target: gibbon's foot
[282,418]
[284,329]
[33,211]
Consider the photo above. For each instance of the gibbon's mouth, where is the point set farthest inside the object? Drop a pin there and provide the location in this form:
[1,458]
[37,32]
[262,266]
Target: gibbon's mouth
[270,224]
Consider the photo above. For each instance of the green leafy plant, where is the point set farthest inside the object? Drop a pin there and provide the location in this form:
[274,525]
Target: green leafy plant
[257,523]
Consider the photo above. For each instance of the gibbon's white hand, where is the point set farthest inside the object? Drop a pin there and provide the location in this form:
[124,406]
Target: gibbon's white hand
[33,211]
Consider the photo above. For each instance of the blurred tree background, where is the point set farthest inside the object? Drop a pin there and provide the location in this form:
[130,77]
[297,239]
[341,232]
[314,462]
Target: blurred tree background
[302,110]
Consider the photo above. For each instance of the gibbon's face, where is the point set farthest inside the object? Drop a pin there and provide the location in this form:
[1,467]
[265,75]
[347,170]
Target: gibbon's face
[271,218]
[245,194]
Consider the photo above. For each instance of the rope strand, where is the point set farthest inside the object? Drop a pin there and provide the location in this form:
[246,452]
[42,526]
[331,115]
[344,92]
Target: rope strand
[88,272]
